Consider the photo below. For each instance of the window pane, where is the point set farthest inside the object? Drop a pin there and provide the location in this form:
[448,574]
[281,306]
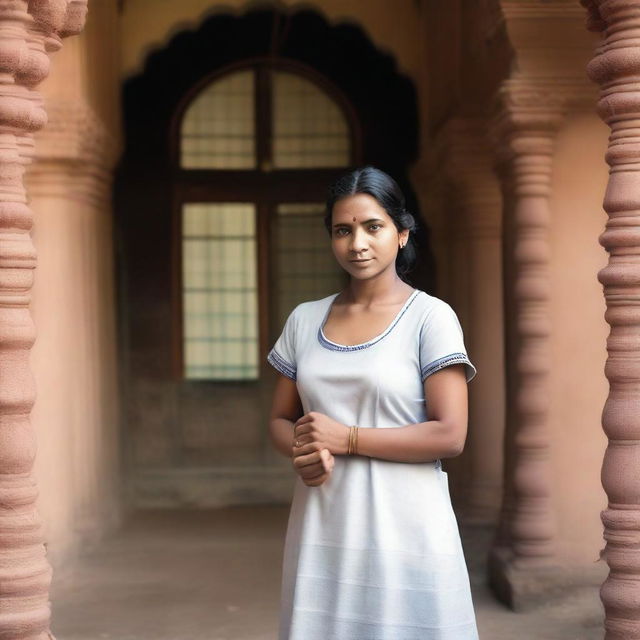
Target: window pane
[218,126]
[220,311]
[306,268]
[309,129]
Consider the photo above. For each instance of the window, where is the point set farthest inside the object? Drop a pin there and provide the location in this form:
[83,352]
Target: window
[255,146]
[218,129]
[219,290]
[309,130]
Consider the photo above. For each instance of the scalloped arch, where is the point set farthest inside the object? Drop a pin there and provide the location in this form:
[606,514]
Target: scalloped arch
[383,98]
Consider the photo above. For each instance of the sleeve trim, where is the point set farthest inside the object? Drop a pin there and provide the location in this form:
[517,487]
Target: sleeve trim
[277,361]
[445,361]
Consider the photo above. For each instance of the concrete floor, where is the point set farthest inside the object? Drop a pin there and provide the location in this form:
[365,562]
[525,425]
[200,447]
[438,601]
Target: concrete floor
[215,575]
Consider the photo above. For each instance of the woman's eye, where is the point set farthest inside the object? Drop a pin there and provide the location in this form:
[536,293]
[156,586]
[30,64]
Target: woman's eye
[371,228]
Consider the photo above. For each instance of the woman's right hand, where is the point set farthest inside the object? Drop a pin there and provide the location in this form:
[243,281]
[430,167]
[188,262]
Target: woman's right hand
[313,463]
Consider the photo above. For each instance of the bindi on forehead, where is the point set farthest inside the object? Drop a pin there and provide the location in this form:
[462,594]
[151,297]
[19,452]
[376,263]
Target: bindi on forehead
[354,219]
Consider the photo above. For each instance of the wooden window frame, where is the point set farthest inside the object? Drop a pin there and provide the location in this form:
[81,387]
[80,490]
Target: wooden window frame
[265,186]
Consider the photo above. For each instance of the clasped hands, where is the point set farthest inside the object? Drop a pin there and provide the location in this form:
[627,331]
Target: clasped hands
[316,437]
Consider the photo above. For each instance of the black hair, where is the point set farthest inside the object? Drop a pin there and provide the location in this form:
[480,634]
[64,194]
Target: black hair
[386,191]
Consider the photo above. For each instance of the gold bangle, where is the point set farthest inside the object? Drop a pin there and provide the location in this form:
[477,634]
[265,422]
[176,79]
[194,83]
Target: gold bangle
[353,440]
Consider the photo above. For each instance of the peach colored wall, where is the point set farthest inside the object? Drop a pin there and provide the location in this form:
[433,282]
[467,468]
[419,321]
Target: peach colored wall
[579,387]
[74,358]
[76,410]
[100,62]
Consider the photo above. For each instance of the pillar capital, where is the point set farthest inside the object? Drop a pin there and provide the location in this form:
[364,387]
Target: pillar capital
[535,105]
[75,154]
[74,133]
[527,115]
[550,49]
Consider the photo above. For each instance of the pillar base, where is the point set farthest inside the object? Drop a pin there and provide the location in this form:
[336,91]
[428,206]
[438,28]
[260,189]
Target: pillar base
[525,588]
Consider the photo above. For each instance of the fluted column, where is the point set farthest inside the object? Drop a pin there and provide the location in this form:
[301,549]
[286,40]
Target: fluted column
[476,199]
[522,560]
[528,129]
[29,33]
[616,68]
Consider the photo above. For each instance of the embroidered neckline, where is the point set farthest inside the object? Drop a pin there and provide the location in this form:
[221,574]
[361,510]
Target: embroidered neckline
[329,344]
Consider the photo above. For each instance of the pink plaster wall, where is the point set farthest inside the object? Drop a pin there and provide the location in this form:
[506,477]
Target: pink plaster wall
[76,412]
[578,340]
[74,359]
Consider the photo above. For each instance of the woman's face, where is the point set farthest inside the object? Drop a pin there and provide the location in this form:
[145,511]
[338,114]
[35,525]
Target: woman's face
[364,238]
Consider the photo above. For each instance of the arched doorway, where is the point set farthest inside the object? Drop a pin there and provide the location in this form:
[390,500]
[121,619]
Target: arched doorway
[233,133]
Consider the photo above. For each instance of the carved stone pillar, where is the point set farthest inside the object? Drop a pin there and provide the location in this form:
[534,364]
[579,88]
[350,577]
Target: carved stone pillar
[522,562]
[616,68]
[29,33]
[475,195]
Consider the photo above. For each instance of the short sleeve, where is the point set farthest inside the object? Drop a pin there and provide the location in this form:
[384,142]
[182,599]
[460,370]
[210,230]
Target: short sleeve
[283,354]
[442,342]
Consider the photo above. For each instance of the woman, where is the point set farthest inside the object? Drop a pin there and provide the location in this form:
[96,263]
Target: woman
[372,550]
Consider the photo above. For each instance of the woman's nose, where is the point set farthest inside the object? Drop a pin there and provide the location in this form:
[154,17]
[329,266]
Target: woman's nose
[358,241]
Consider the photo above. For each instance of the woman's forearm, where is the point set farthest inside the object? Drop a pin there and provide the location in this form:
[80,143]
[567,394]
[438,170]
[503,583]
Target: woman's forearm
[281,433]
[420,442]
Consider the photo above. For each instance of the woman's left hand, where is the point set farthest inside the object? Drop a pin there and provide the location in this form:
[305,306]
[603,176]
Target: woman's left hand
[318,427]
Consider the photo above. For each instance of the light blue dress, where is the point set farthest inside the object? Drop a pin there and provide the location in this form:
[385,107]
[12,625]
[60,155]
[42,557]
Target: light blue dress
[374,553]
